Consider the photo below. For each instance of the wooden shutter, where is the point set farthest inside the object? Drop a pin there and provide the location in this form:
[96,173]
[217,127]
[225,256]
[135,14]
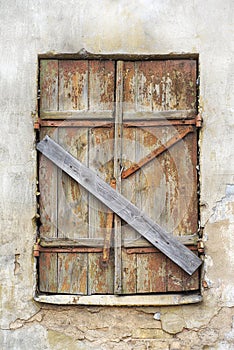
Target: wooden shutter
[111,115]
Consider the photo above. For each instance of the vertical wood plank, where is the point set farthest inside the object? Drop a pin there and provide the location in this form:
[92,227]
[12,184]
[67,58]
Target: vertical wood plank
[128,186]
[129,87]
[160,85]
[182,185]
[117,175]
[144,89]
[101,85]
[48,190]
[101,275]
[101,150]
[73,198]
[129,278]
[72,273]
[151,273]
[178,280]
[150,178]
[73,85]
[48,273]
[48,85]
[182,74]
[174,277]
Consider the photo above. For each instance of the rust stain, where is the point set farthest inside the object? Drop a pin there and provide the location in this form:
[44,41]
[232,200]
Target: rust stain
[48,84]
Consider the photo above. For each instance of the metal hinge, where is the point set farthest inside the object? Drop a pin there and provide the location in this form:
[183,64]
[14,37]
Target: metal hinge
[36,249]
[199,121]
[200,246]
[37,124]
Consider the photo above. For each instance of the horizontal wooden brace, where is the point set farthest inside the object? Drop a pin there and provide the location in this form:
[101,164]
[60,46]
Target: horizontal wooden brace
[81,115]
[160,115]
[99,242]
[137,219]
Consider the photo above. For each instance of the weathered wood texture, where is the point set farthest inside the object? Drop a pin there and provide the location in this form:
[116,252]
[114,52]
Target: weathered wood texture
[48,175]
[76,88]
[137,219]
[157,100]
[151,86]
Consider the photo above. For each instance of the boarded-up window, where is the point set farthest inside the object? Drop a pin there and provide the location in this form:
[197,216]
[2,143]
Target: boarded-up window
[133,123]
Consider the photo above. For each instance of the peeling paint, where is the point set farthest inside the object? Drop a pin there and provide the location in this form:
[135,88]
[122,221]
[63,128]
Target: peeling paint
[112,28]
[224,209]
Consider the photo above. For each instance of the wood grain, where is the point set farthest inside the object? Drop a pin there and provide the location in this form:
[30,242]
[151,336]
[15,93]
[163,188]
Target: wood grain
[162,240]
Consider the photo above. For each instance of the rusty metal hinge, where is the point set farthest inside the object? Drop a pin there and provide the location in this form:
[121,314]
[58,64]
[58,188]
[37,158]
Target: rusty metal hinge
[37,124]
[36,249]
[200,246]
[199,121]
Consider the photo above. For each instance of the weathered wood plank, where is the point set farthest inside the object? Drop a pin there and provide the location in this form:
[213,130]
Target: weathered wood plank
[72,273]
[98,242]
[73,85]
[151,273]
[72,197]
[48,85]
[48,272]
[101,85]
[128,186]
[159,85]
[117,175]
[160,115]
[101,275]
[182,78]
[101,144]
[162,240]
[181,161]
[48,191]
[65,242]
[80,115]
[178,280]
[129,267]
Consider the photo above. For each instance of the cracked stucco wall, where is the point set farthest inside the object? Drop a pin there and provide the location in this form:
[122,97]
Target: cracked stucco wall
[29,28]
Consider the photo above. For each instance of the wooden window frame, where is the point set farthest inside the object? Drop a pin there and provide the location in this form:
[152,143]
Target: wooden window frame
[117,300]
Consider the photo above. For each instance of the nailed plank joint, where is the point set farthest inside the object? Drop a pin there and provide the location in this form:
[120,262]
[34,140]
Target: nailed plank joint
[138,220]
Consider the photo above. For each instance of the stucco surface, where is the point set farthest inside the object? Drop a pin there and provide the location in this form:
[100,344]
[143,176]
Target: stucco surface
[29,28]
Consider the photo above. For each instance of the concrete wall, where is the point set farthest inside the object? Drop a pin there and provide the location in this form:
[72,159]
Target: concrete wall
[29,28]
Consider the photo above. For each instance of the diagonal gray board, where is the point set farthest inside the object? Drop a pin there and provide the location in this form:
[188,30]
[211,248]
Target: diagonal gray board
[138,220]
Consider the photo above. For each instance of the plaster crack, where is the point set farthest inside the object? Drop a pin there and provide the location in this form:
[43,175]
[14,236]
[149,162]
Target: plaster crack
[20,323]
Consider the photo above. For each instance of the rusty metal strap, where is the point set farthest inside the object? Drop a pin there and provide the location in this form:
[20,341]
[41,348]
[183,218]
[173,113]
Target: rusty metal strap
[109,226]
[121,206]
[155,153]
[39,249]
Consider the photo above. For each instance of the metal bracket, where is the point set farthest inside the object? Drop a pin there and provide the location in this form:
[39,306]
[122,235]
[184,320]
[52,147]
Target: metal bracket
[37,124]
[109,225]
[155,153]
[199,121]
